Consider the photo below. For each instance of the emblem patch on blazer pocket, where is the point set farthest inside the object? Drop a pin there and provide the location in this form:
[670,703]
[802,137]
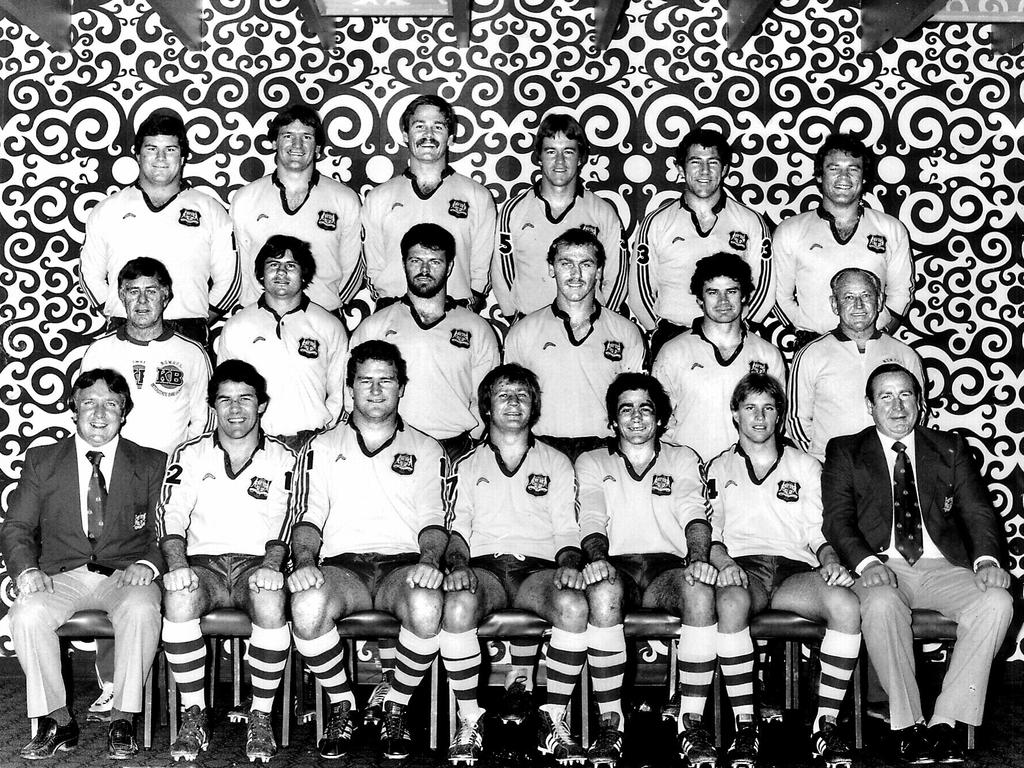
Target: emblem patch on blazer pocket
[947,504]
[140,521]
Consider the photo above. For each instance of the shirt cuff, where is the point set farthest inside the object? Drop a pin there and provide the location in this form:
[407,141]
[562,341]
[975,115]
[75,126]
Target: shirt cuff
[869,560]
[985,559]
[156,572]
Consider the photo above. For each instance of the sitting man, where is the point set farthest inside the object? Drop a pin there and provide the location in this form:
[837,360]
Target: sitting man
[515,543]
[223,523]
[369,534]
[765,498]
[79,534]
[646,535]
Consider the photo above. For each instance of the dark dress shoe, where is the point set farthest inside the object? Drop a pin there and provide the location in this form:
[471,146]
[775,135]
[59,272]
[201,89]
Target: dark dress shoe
[915,747]
[945,744]
[50,738]
[121,743]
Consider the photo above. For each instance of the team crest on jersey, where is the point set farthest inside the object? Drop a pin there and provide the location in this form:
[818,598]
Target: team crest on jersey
[404,463]
[613,351]
[591,228]
[189,217]
[309,348]
[738,241]
[458,208]
[138,373]
[756,366]
[327,220]
[876,243]
[169,379]
[712,488]
[643,254]
[661,485]
[139,522]
[460,338]
[259,488]
[537,485]
[789,490]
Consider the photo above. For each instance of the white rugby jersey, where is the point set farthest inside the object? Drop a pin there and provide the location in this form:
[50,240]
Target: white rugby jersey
[167,378]
[529,510]
[370,502]
[190,234]
[826,386]
[526,229]
[641,512]
[446,361]
[301,355]
[217,511]
[779,515]
[808,253]
[328,219]
[460,205]
[669,243]
[700,383]
[574,374]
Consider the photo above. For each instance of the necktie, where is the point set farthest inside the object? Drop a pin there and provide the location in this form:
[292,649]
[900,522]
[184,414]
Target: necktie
[906,511]
[96,498]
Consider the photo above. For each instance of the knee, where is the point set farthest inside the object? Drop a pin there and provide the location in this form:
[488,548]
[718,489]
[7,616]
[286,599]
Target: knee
[571,610]
[842,609]
[604,601]
[29,613]
[309,613]
[995,602]
[425,610]
[882,604]
[180,606]
[732,603]
[267,608]
[138,604]
[460,610]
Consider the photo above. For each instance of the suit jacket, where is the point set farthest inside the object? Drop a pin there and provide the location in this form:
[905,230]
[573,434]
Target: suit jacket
[43,525]
[857,497]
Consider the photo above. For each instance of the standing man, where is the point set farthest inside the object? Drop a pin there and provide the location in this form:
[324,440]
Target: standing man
[842,232]
[830,372]
[700,368]
[703,221]
[528,222]
[447,347]
[80,534]
[369,533]
[927,538]
[297,200]
[429,191]
[162,217]
[296,345]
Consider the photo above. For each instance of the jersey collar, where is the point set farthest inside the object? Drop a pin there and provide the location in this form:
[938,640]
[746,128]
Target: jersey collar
[698,330]
[716,209]
[613,447]
[284,195]
[564,317]
[448,171]
[824,215]
[122,335]
[838,333]
[449,305]
[399,427]
[157,208]
[505,470]
[781,443]
[261,443]
[304,302]
[577,195]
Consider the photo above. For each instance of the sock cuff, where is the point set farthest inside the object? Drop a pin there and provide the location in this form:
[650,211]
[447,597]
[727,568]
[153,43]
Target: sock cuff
[318,645]
[270,638]
[568,641]
[180,631]
[610,638]
[419,645]
[735,643]
[459,644]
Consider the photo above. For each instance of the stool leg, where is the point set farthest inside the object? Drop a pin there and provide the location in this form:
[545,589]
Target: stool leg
[435,695]
[673,661]
[161,683]
[172,705]
[236,670]
[286,700]
[319,696]
[212,669]
[858,704]
[147,708]
[970,738]
[584,686]
[716,702]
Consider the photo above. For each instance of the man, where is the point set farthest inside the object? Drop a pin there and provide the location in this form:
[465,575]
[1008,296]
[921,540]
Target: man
[429,190]
[447,347]
[829,373]
[162,217]
[703,221]
[841,232]
[296,200]
[296,345]
[770,552]
[224,526]
[700,368]
[369,534]
[79,534]
[515,543]
[928,538]
[644,521]
[528,222]
[575,346]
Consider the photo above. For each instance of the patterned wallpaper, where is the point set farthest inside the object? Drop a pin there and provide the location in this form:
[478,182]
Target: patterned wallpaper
[943,110]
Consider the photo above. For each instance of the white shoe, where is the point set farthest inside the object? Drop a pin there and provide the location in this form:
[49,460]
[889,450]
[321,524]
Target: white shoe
[99,710]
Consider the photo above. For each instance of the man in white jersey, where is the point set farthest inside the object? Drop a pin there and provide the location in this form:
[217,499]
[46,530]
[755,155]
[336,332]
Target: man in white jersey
[700,367]
[515,543]
[575,346]
[646,536]
[429,190]
[162,217]
[557,201]
[297,345]
[224,527]
[369,533]
[830,372]
[768,547]
[841,232]
[297,200]
[703,221]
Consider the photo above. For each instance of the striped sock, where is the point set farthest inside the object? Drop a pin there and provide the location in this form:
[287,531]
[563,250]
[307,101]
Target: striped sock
[186,656]
[839,652]
[607,657]
[695,662]
[386,654]
[736,657]
[325,657]
[413,656]
[267,656]
[460,652]
[567,653]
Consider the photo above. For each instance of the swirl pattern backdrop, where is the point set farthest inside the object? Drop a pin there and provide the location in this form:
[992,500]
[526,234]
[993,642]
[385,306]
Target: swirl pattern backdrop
[941,108]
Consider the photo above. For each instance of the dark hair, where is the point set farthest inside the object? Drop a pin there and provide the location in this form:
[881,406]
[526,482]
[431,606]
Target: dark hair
[115,383]
[431,236]
[239,372]
[851,145]
[162,123]
[885,368]
[761,384]
[704,137]
[429,100]
[277,245]
[382,352]
[305,114]
[514,374]
[846,272]
[722,264]
[144,266]
[579,238]
[569,126]
[631,380]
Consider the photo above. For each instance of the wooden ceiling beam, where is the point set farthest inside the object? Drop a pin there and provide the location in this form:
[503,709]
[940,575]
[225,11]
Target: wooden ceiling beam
[50,19]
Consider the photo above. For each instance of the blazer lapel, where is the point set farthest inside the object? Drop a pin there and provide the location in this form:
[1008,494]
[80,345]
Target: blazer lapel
[927,463]
[70,491]
[121,486]
[874,463]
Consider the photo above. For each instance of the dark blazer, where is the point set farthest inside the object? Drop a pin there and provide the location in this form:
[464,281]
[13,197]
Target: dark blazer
[43,525]
[857,497]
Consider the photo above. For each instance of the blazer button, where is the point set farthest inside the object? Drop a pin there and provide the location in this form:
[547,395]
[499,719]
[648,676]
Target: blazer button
[93,558]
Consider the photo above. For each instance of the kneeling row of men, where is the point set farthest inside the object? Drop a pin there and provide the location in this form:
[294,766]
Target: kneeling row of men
[374,521]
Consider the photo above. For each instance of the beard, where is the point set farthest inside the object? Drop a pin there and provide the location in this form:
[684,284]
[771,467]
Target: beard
[426,291]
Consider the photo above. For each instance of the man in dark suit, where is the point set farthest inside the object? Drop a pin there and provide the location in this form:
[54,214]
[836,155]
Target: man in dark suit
[930,539]
[80,534]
